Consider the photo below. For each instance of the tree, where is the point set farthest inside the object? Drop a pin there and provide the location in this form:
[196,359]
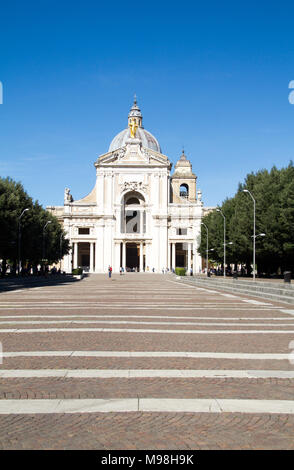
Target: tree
[274,195]
[13,200]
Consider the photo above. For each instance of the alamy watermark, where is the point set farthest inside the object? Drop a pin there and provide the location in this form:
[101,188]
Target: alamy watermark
[291,94]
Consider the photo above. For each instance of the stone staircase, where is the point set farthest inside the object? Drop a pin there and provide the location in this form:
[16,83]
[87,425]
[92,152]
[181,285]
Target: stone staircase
[278,291]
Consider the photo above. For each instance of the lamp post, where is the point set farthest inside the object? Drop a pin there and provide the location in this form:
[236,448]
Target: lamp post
[254,237]
[19,237]
[43,251]
[221,212]
[259,235]
[202,223]
[229,243]
[60,249]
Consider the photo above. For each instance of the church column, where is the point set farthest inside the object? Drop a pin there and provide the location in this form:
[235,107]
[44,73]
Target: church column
[116,264]
[173,256]
[75,263]
[168,256]
[67,262]
[155,260]
[155,191]
[124,255]
[141,221]
[91,257]
[194,259]
[189,258]
[163,244]
[99,250]
[147,261]
[108,244]
[141,257]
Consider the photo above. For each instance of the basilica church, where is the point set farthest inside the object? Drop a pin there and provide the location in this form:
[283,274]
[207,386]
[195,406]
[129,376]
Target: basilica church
[139,216]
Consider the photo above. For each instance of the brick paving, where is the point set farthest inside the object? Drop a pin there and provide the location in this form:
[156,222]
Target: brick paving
[143,295]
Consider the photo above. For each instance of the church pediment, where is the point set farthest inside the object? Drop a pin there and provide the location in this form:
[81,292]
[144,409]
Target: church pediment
[133,153]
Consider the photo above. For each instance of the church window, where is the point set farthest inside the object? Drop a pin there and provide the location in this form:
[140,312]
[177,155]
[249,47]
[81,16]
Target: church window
[181,231]
[133,200]
[84,231]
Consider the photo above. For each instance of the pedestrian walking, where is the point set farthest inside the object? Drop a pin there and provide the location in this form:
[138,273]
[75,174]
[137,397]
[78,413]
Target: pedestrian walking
[109,271]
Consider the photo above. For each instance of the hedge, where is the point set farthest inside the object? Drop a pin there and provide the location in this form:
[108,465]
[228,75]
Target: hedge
[77,271]
[180,271]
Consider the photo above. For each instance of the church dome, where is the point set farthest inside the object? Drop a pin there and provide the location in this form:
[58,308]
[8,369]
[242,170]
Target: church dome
[147,139]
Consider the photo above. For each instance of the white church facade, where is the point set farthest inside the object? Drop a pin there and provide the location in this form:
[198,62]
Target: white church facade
[138,216]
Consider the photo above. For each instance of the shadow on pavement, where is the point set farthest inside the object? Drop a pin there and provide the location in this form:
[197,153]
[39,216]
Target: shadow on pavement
[15,283]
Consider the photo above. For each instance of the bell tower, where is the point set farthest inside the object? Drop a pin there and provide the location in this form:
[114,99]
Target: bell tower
[183,182]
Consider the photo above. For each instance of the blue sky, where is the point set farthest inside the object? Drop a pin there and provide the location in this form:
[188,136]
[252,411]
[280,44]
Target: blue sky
[212,77]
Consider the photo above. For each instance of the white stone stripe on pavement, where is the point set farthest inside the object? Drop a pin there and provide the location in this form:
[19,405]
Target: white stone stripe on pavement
[132,354]
[132,322]
[290,312]
[231,296]
[173,317]
[131,307]
[143,373]
[142,331]
[120,304]
[156,405]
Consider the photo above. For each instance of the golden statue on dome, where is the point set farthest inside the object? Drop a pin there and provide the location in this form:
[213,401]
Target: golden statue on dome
[133,127]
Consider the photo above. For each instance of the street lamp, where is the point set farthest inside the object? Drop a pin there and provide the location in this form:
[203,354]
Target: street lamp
[219,210]
[259,235]
[60,248]
[254,237]
[19,237]
[206,247]
[43,252]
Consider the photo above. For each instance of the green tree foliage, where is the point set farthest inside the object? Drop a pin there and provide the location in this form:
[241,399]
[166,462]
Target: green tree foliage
[13,201]
[273,192]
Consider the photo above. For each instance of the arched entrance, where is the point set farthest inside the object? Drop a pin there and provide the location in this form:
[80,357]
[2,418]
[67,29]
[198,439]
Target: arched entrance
[133,228]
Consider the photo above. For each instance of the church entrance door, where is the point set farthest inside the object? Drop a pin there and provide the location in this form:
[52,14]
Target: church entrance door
[84,256]
[132,256]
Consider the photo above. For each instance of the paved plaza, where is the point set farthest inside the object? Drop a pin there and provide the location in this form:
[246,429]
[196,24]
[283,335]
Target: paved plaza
[144,361]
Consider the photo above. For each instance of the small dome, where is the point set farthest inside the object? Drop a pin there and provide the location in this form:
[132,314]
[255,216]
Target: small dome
[147,139]
[135,110]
